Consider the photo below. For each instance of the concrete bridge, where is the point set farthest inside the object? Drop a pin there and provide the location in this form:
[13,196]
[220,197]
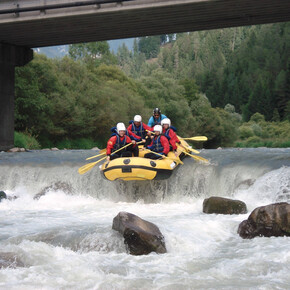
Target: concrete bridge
[25,24]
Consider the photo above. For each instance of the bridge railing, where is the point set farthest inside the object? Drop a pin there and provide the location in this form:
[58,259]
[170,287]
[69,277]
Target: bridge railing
[18,9]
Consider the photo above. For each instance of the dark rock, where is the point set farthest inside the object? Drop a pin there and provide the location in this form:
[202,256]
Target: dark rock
[9,260]
[65,187]
[221,205]
[2,195]
[12,197]
[270,220]
[141,237]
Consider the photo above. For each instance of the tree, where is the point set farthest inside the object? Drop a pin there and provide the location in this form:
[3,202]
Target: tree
[93,53]
[149,45]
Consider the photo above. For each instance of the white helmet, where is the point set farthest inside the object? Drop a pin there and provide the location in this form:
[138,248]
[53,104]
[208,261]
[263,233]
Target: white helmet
[158,128]
[121,127]
[137,118]
[166,121]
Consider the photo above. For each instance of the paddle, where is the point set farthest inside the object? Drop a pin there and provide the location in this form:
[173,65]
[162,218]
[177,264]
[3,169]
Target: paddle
[188,148]
[196,157]
[196,138]
[89,166]
[179,161]
[103,151]
[192,150]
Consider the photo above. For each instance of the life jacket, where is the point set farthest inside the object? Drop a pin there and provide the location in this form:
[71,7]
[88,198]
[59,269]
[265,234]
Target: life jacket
[119,143]
[166,133]
[157,146]
[139,131]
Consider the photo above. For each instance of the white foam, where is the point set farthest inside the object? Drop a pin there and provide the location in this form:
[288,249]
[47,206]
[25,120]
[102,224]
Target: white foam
[272,187]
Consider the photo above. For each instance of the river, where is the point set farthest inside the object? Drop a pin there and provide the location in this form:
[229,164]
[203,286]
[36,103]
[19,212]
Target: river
[64,239]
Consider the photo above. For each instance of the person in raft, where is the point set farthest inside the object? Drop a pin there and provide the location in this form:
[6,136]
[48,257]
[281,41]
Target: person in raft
[156,118]
[118,141]
[159,144]
[170,135]
[139,131]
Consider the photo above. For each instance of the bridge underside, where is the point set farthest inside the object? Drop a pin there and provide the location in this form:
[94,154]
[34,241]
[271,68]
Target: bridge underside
[131,19]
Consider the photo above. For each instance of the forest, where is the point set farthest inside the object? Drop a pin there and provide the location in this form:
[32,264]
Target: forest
[231,85]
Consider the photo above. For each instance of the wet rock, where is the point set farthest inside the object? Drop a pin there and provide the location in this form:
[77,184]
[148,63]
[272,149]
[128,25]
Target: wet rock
[95,148]
[141,237]
[16,149]
[12,197]
[65,187]
[221,205]
[2,195]
[270,220]
[10,260]
[54,149]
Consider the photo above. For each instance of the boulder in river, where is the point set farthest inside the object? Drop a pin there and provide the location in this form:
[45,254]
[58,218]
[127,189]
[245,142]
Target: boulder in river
[141,237]
[9,260]
[59,185]
[268,221]
[221,205]
[2,195]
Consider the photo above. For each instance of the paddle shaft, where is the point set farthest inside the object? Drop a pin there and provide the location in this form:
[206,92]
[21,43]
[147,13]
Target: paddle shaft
[179,161]
[196,138]
[196,157]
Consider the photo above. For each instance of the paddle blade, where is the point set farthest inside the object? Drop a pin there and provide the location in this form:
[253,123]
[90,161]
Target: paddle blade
[196,138]
[193,150]
[86,168]
[199,158]
[89,166]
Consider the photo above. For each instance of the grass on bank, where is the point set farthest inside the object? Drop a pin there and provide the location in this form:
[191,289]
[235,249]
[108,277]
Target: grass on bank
[25,140]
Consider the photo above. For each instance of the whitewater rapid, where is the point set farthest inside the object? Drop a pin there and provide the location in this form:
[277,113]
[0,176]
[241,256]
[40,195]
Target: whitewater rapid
[65,239]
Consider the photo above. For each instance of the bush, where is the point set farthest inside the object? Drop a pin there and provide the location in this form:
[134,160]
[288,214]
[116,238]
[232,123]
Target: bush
[25,140]
[258,118]
[257,129]
[254,142]
[245,132]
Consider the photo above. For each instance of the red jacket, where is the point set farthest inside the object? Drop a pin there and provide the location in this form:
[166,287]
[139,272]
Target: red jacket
[173,138]
[145,127]
[164,142]
[112,141]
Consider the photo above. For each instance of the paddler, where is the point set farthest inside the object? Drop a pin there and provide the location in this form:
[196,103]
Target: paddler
[170,135]
[139,131]
[159,144]
[119,140]
[156,118]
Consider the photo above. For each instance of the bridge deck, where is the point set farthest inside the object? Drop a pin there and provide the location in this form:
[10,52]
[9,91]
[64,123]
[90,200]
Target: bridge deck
[131,19]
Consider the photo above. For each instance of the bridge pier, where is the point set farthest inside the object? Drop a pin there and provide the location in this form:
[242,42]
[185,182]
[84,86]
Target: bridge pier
[10,57]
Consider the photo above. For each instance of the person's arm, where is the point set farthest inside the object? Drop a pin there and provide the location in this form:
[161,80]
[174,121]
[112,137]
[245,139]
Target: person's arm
[148,128]
[133,135]
[129,140]
[165,145]
[172,139]
[151,122]
[110,146]
[150,145]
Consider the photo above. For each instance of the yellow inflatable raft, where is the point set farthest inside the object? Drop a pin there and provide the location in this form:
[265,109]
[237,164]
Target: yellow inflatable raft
[140,168]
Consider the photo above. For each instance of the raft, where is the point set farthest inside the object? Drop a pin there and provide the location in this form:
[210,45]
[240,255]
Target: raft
[140,168]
